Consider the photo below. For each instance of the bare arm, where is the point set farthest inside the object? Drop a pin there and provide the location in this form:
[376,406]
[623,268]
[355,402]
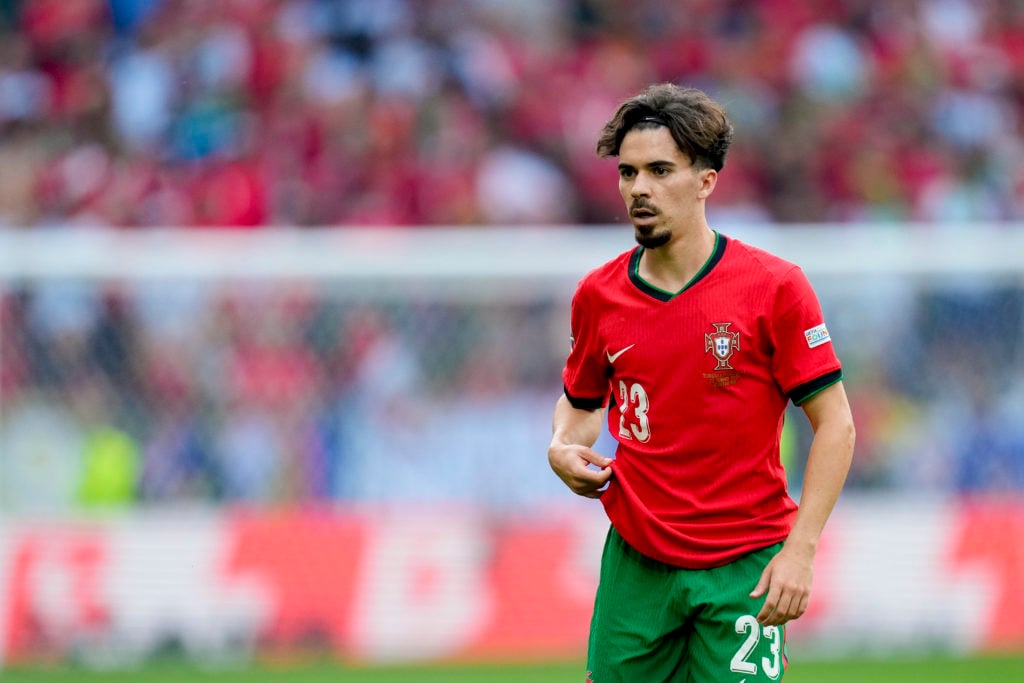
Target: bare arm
[574,431]
[787,578]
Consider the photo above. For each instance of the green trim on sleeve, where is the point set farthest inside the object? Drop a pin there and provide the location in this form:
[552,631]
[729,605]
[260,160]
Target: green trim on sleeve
[584,403]
[806,390]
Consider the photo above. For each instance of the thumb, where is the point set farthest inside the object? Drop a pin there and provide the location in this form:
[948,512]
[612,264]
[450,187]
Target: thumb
[595,458]
[763,583]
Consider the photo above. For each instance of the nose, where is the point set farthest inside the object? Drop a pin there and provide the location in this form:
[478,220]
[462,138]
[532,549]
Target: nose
[640,186]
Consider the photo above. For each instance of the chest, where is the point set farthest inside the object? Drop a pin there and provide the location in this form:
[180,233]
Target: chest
[708,336]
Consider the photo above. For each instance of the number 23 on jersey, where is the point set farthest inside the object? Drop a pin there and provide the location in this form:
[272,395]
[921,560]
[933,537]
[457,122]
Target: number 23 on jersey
[633,406]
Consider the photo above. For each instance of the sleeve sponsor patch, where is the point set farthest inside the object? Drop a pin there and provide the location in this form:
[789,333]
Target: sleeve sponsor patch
[816,336]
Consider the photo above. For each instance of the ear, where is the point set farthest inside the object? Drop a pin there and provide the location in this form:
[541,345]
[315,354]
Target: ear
[708,179]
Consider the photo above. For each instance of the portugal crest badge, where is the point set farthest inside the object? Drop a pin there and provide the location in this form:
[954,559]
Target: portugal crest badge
[723,344]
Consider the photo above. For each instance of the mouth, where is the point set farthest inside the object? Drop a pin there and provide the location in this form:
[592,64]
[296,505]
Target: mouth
[642,216]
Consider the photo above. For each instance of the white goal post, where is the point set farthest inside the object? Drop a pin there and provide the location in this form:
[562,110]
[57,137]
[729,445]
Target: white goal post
[528,256]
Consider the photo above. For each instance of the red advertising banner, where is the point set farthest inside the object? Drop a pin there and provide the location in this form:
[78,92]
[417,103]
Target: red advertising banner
[414,584]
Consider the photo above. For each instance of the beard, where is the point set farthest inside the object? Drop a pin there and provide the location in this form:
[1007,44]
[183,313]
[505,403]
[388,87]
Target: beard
[648,238]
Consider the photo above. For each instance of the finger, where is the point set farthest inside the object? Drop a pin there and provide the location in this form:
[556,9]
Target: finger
[771,603]
[595,458]
[762,583]
[792,605]
[589,481]
[797,609]
[594,478]
[591,491]
[783,611]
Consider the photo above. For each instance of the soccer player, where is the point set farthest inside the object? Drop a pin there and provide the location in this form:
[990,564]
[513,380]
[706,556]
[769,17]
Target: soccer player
[694,343]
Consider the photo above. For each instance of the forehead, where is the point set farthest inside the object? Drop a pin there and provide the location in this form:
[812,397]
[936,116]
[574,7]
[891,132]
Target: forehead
[640,147]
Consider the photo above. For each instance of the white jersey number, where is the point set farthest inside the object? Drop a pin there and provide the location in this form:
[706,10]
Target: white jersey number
[740,663]
[633,413]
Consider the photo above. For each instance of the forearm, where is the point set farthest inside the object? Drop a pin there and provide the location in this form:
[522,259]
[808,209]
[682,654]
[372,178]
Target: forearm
[574,431]
[787,578]
[828,463]
[573,426]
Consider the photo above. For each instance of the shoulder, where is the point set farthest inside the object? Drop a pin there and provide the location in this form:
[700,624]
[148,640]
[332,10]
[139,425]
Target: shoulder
[605,277]
[750,257]
[766,270]
[767,277]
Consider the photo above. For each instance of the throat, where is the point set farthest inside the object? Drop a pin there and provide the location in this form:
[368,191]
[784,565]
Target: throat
[664,276]
[673,269]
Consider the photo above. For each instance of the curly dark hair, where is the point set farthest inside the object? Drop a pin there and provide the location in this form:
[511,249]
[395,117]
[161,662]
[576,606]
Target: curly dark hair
[698,124]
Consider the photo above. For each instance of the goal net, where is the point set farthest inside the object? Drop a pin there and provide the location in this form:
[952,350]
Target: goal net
[416,364]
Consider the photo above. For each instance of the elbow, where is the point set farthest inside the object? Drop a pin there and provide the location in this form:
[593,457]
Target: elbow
[847,437]
[850,432]
[840,433]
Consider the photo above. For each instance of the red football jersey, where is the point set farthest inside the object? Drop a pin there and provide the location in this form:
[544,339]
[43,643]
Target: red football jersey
[699,382]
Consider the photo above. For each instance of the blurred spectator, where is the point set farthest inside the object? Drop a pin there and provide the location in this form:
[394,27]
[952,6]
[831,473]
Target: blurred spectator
[249,454]
[384,416]
[518,187]
[41,463]
[110,469]
[110,458]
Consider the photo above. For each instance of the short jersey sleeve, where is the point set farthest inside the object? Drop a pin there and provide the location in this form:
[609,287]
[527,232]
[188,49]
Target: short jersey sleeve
[804,360]
[584,375]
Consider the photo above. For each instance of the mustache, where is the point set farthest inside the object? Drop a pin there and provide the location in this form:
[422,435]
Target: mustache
[642,205]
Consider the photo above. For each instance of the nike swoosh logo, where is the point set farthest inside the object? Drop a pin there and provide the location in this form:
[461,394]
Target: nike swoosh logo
[613,357]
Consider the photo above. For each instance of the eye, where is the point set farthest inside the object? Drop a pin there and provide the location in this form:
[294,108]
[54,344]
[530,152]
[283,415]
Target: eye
[660,171]
[626,172]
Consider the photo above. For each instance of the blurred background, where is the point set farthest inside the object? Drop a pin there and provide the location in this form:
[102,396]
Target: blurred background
[284,291]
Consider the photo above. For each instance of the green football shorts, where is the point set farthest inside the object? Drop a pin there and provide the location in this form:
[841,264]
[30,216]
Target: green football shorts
[657,623]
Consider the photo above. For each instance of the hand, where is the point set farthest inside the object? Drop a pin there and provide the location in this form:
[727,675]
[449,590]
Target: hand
[787,581]
[569,461]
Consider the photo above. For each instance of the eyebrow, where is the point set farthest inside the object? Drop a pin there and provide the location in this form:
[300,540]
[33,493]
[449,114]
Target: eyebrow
[649,164]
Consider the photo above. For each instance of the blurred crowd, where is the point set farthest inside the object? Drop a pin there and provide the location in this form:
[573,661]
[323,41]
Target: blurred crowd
[267,393]
[245,113]
[271,394]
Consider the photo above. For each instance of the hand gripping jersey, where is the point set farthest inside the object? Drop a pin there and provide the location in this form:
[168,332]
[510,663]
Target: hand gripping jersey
[698,383]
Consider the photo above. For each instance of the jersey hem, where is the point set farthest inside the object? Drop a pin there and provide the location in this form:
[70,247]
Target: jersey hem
[708,559]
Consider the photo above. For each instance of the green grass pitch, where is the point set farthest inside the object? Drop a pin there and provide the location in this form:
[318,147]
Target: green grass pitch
[934,670]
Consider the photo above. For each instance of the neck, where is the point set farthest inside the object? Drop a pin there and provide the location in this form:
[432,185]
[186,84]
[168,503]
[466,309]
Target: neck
[672,266]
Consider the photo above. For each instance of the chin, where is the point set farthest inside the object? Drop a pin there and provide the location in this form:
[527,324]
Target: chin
[650,239]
